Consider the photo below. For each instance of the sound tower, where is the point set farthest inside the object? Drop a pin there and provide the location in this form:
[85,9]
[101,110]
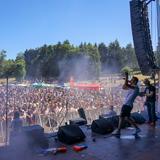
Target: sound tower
[141,36]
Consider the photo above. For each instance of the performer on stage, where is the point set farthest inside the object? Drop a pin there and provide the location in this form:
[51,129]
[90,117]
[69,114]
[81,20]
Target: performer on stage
[133,92]
[150,93]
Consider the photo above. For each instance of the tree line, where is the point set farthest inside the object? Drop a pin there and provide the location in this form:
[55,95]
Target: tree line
[12,68]
[86,61]
[63,60]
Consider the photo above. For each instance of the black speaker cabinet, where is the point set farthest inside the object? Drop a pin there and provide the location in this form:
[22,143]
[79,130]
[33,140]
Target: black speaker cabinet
[114,120]
[102,126]
[138,118]
[141,36]
[35,136]
[70,134]
[78,121]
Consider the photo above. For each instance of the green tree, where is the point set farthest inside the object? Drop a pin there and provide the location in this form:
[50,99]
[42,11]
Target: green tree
[19,67]
[115,56]
[8,69]
[126,69]
[20,56]
[62,59]
[2,62]
[130,57]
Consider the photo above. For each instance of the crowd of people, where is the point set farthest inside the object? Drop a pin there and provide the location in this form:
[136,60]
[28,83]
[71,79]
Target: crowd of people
[31,102]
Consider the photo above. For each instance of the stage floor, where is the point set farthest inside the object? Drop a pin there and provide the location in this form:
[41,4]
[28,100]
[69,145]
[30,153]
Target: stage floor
[108,147]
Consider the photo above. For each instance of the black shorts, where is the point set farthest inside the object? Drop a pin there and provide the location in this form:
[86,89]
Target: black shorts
[126,111]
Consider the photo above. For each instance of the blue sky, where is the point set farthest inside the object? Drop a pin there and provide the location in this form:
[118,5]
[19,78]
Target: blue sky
[26,24]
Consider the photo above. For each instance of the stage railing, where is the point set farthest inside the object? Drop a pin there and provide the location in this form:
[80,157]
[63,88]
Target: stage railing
[2,135]
[51,122]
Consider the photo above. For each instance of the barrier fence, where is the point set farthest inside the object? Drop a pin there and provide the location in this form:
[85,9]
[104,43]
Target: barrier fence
[51,122]
[2,134]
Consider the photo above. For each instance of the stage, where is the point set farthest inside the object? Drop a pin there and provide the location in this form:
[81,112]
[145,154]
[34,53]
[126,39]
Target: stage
[146,147]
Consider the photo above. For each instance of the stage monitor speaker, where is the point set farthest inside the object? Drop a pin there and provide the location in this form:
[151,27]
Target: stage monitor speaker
[70,134]
[141,36]
[35,136]
[138,118]
[102,126]
[145,114]
[115,121]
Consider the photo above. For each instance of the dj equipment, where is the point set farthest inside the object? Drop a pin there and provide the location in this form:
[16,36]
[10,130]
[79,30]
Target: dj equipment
[82,120]
[78,121]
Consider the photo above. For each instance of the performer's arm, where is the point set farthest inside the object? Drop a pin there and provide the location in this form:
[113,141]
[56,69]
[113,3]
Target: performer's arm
[142,94]
[126,85]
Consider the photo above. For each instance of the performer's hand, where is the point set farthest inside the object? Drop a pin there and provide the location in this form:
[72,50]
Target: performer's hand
[126,75]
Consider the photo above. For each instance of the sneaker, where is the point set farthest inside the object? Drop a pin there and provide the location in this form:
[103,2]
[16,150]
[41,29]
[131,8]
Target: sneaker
[116,133]
[137,130]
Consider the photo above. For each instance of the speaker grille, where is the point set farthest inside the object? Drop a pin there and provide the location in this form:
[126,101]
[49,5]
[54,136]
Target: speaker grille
[70,134]
[141,36]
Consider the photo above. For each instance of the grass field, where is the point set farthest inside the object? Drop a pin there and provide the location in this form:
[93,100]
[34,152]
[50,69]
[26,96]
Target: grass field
[11,80]
[139,76]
